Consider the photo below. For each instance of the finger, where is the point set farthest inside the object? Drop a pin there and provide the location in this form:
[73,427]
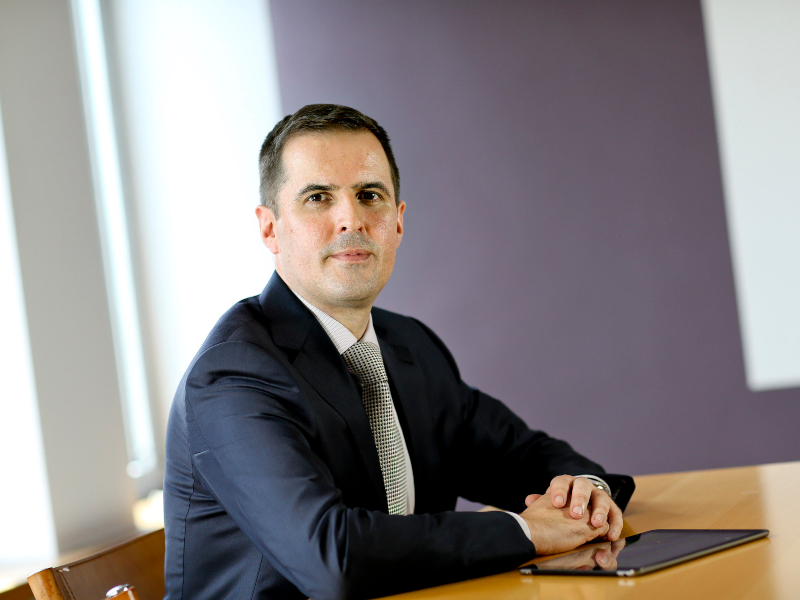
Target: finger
[581,493]
[559,489]
[614,522]
[530,499]
[606,559]
[617,546]
[601,504]
[601,531]
[596,549]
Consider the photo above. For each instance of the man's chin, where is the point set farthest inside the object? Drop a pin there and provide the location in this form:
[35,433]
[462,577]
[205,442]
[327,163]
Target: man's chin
[353,298]
[353,294]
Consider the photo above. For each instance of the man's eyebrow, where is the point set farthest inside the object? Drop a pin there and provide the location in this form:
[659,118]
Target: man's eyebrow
[316,187]
[379,185]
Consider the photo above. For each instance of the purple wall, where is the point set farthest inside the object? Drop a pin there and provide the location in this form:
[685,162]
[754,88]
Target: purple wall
[565,230]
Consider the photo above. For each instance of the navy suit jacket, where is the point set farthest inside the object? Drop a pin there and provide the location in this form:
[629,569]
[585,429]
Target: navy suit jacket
[273,487]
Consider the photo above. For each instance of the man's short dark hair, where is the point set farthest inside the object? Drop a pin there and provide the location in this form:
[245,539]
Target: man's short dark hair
[314,118]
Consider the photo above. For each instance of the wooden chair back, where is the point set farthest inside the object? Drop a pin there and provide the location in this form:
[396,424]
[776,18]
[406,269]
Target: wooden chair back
[138,562]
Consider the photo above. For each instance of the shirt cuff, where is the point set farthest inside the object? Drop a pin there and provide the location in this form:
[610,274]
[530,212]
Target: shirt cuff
[598,482]
[525,529]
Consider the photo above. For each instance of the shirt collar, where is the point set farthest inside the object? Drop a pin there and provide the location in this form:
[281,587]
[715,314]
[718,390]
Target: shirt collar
[340,335]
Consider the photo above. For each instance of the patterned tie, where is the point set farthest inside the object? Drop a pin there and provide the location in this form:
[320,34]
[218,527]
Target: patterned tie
[363,359]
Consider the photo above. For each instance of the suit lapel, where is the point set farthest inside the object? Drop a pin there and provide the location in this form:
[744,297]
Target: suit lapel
[316,359]
[320,364]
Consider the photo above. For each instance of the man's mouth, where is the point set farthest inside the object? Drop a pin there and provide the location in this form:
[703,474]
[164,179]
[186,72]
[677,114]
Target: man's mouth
[352,255]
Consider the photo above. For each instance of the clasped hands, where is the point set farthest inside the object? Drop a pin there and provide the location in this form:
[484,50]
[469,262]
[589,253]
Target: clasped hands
[571,512]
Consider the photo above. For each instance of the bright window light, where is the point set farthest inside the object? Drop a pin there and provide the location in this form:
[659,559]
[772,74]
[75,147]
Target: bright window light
[200,91]
[754,53]
[114,235]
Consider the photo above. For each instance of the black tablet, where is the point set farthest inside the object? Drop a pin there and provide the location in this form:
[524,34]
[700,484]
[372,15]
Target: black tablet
[643,553]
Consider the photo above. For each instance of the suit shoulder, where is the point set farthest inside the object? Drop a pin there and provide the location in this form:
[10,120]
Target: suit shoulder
[243,326]
[240,345]
[399,326]
[386,318]
[400,329]
[245,314]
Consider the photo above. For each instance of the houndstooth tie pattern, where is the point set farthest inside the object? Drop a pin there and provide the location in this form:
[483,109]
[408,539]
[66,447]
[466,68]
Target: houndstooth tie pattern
[364,360]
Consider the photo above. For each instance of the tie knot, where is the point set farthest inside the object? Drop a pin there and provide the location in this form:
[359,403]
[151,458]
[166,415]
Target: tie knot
[364,361]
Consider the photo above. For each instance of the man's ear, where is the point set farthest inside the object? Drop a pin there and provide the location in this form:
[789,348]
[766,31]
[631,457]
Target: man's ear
[401,208]
[267,223]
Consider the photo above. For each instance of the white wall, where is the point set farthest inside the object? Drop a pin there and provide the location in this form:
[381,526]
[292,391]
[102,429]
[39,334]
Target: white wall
[26,518]
[63,285]
[754,56]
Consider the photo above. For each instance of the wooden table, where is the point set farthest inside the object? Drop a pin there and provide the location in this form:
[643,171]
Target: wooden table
[764,497]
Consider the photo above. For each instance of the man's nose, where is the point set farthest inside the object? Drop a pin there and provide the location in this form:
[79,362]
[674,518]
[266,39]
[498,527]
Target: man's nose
[349,216]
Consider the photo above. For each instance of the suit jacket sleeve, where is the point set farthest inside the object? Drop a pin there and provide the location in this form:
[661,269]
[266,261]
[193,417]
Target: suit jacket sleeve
[250,435]
[504,460]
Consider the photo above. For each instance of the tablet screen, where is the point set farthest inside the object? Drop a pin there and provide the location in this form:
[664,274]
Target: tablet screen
[644,552]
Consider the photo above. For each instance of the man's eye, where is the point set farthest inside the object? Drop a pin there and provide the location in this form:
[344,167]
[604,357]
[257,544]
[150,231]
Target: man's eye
[370,196]
[315,198]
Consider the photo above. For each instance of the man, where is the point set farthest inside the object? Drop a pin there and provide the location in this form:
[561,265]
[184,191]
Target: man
[317,445]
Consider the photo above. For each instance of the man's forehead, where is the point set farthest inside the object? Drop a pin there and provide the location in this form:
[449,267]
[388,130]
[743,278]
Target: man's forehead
[335,154]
